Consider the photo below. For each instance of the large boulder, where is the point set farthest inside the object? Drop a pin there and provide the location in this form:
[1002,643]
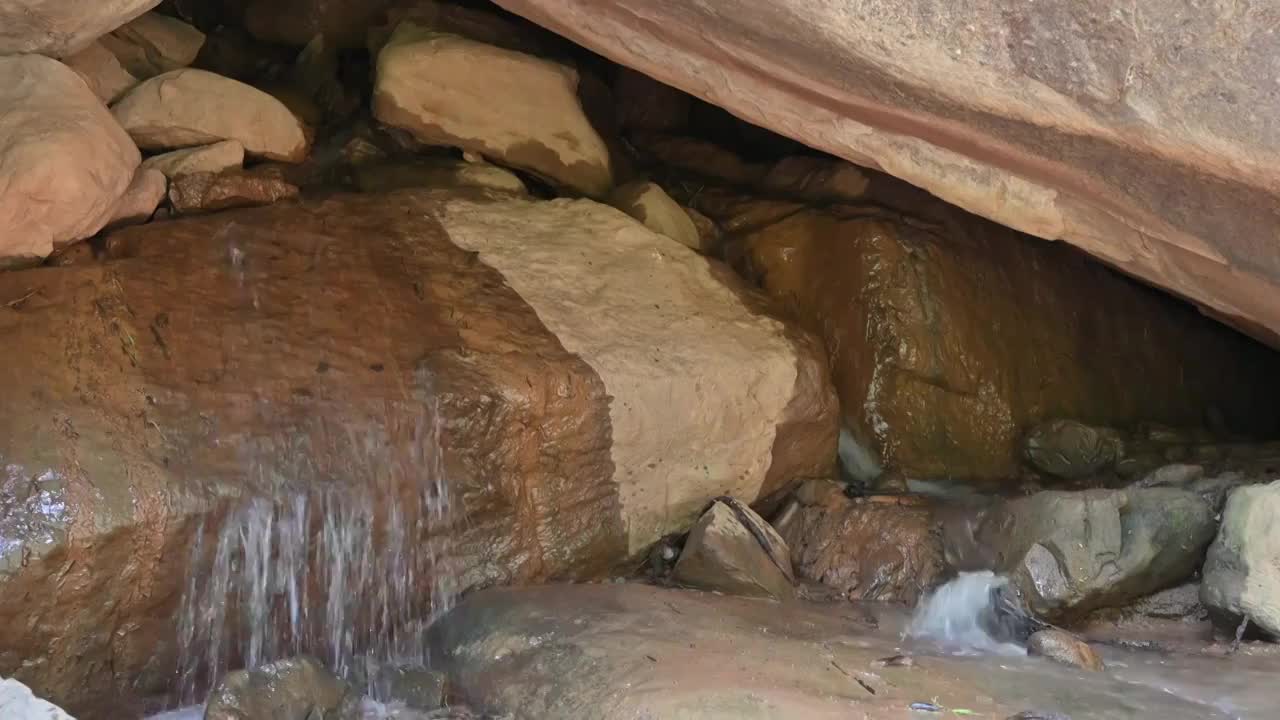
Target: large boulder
[1071,552]
[650,204]
[190,107]
[1142,137]
[733,550]
[597,386]
[1241,576]
[289,689]
[64,160]
[863,550]
[102,71]
[513,108]
[58,28]
[950,339]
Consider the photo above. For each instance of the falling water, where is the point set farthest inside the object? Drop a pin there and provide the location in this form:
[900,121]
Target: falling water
[348,569]
[955,616]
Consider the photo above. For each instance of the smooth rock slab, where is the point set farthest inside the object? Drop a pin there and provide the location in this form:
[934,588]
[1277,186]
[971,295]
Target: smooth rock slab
[214,158]
[64,161]
[190,107]
[514,109]
[597,386]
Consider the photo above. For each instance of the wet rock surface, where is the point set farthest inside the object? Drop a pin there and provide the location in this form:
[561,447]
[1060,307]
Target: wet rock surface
[293,689]
[200,192]
[1073,552]
[1241,577]
[623,650]
[733,550]
[864,550]
[223,342]
[1063,647]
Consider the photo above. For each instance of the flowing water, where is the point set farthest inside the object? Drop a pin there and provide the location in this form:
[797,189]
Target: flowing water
[952,616]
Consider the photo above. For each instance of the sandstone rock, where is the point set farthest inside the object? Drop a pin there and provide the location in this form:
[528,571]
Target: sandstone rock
[1063,647]
[931,330]
[193,107]
[816,179]
[58,28]
[585,414]
[564,652]
[154,44]
[141,199]
[649,204]
[206,192]
[395,175]
[1072,450]
[646,105]
[64,160]
[443,88]
[102,71]
[1240,573]
[214,158]
[1070,552]
[1165,165]
[732,550]
[290,689]
[17,702]
[865,551]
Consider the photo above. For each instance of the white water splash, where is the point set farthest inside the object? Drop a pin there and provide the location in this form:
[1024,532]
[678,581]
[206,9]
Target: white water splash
[951,616]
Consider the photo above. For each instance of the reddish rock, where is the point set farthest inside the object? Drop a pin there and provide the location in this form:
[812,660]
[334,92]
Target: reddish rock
[579,424]
[1147,140]
[863,550]
[207,191]
[1063,647]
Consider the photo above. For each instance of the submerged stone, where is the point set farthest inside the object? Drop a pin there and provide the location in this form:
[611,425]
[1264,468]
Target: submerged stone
[1063,647]
[293,689]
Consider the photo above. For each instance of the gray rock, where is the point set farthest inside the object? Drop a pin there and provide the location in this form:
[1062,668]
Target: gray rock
[1175,475]
[1182,601]
[1072,450]
[1241,575]
[733,550]
[292,689]
[1071,552]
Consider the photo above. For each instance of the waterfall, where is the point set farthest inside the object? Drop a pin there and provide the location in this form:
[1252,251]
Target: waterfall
[959,616]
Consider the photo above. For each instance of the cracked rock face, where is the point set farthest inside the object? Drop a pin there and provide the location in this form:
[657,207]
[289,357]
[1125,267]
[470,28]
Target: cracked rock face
[1144,135]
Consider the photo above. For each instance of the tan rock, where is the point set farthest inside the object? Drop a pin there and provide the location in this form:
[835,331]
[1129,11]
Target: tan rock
[651,205]
[734,551]
[215,158]
[1063,647]
[863,550]
[512,108]
[206,191]
[154,44]
[63,159]
[932,333]
[1166,165]
[102,71]
[193,107]
[395,175]
[58,28]
[588,413]
[709,233]
[141,199]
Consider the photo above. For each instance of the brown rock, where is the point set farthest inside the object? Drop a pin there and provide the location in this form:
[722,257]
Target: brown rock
[102,71]
[646,105]
[215,158]
[651,205]
[732,550]
[296,22]
[63,159]
[1063,647]
[154,44]
[473,23]
[58,28]
[140,200]
[700,158]
[513,108]
[709,233]
[947,343]
[816,179]
[580,409]
[193,107]
[395,175]
[206,192]
[865,551]
[1165,165]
